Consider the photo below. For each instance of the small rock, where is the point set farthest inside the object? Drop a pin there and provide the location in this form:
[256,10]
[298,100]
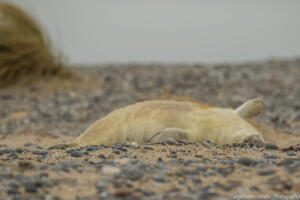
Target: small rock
[19,150]
[25,165]
[266,172]
[102,156]
[147,148]
[77,154]
[115,151]
[28,144]
[40,152]
[13,192]
[132,172]
[291,153]
[161,178]
[101,187]
[246,161]
[268,155]
[271,146]
[92,148]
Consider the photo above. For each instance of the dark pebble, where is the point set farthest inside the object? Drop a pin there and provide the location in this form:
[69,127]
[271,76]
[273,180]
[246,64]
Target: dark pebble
[271,146]
[5,151]
[147,192]
[291,153]
[246,161]
[266,172]
[161,178]
[92,148]
[25,165]
[148,148]
[19,150]
[101,187]
[268,155]
[40,152]
[102,156]
[120,148]
[132,172]
[13,185]
[225,171]
[28,144]
[115,151]
[196,180]
[13,192]
[71,150]
[77,154]
[43,182]
[31,187]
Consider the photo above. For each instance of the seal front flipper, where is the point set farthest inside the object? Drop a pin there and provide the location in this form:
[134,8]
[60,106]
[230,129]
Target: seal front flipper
[163,135]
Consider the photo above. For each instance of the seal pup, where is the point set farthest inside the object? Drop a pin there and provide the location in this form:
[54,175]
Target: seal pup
[157,120]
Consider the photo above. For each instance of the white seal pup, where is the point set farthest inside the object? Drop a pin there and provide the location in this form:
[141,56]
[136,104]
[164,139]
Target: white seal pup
[157,120]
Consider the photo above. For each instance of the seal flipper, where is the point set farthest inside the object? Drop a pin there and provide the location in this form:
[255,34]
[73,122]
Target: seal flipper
[250,108]
[163,135]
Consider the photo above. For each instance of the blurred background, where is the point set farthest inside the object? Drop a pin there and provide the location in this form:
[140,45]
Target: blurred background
[170,31]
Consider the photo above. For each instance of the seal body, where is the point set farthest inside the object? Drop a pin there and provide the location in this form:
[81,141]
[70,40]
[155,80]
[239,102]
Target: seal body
[157,120]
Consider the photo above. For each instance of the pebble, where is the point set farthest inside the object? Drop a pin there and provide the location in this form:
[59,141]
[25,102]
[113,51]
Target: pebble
[92,148]
[5,151]
[147,148]
[28,144]
[77,154]
[102,156]
[115,151]
[266,172]
[271,146]
[13,192]
[268,155]
[25,165]
[132,172]
[40,152]
[246,161]
[291,153]
[101,187]
[161,178]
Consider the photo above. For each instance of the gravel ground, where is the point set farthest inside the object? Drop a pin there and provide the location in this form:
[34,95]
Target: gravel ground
[31,119]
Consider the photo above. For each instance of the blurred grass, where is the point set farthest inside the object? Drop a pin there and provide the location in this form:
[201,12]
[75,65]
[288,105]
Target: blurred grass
[26,54]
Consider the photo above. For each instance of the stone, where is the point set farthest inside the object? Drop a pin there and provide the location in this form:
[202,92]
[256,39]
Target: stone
[291,153]
[271,146]
[77,154]
[246,161]
[266,172]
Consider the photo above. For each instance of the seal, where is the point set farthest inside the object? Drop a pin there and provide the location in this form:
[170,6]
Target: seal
[158,120]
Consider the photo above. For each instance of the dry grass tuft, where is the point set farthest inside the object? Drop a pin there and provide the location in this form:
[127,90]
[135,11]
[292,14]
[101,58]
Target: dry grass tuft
[25,51]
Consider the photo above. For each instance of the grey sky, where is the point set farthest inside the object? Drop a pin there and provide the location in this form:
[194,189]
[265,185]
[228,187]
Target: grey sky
[101,31]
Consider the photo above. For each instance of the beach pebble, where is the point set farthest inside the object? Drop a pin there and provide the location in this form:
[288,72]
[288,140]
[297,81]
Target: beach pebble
[77,154]
[266,172]
[271,146]
[246,161]
[291,153]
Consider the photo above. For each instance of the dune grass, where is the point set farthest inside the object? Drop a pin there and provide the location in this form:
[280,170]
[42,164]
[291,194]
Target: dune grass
[26,54]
